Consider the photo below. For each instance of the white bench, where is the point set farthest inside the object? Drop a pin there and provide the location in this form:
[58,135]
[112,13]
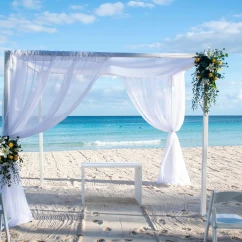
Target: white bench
[137,177]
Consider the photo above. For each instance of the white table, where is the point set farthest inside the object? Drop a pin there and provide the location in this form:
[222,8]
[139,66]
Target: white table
[137,178]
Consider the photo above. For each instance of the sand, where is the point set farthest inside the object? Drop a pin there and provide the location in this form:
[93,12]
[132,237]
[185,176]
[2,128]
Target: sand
[168,213]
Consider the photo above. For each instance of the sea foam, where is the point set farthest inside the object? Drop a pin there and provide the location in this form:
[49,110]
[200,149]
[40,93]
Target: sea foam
[121,143]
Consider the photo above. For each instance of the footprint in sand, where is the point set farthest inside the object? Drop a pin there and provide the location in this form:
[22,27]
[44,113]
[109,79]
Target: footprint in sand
[162,221]
[188,229]
[97,221]
[133,233]
[142,229]
[107,229]
[101,240]
[235,238]
[95,213]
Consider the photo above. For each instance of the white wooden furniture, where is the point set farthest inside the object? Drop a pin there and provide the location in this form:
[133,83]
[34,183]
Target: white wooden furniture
[222,221]
[137,178]
[3,219]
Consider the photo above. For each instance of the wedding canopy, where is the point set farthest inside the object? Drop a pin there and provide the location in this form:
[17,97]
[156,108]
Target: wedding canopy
[43,87]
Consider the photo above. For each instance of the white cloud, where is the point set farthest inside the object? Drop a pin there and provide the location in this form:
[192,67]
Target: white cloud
[238,15]
[107,95]
[30,4]
[84,18]
[64,18]
[162,2]
[240,94]
[6,32]
[78,7]
[3,40]
[42,23]
[37,28]
[41,47]
[232,96]
[24,25]
[233,83]
[110,9]
[216,34]
[235,96]
[1,65]
[140,4]
[221,27]
[156,45]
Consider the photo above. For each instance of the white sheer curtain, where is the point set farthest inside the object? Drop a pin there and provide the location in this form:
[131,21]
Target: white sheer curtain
[161,102]
[42,91]
[16,204]
[43,88]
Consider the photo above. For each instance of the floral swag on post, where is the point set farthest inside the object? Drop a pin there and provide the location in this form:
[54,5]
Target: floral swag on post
[9,160]
[208,64]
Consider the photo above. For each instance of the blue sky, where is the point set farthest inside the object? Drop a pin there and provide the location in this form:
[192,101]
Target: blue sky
[129,26]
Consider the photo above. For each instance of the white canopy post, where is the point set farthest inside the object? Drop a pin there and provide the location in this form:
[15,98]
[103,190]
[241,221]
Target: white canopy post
[41,148]
[204,164]
[6,85]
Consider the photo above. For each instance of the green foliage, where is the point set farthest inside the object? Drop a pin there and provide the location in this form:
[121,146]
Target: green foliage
[9,159]
[208,64]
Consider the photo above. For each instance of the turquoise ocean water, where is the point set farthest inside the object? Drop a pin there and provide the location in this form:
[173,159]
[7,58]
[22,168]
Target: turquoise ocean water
[109,132]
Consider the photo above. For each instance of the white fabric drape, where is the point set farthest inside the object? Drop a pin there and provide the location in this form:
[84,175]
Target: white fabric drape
[145,67]
[161,102]
[16,205]
[44,87]
[42,91]
[51,85]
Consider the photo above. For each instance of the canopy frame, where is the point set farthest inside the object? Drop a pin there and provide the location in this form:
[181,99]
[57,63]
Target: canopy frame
[112,54]
[108,54]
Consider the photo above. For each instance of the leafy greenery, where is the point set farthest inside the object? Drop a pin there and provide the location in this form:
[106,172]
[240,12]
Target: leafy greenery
[208,64]
[9,159]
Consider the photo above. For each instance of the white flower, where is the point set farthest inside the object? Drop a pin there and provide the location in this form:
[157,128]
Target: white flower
[204,81]
[5,152]
[209,52]
[211,67]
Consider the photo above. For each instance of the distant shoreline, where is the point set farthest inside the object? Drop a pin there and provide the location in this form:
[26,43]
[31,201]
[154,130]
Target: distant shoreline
[115,132]
[220,115]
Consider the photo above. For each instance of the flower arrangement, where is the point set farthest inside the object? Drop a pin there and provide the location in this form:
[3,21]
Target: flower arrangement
[208,64]
[9,159]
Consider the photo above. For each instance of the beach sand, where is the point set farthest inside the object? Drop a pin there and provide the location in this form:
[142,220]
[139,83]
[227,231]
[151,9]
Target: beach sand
[168,213]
